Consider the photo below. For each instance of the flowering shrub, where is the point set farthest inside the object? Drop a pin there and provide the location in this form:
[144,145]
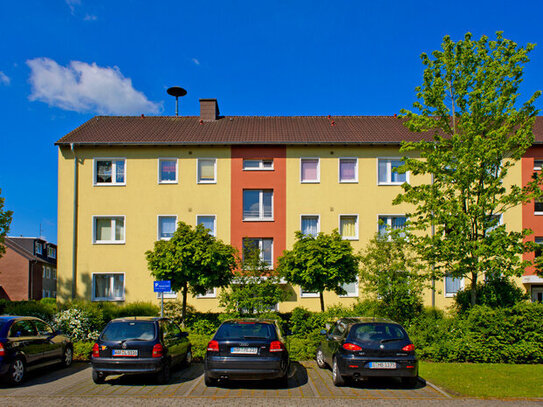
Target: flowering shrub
[76,324]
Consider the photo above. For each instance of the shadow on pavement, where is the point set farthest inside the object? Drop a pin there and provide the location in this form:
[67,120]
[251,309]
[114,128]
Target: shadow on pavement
[179,375]
[385,383]
[47,374]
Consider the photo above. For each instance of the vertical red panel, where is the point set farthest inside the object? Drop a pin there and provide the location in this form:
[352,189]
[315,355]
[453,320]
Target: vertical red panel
[529,220]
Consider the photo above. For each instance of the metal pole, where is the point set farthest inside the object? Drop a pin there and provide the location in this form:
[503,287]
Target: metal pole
[176,110]
[162,304]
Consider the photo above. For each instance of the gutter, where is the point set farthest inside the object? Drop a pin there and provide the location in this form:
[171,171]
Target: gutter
[74,235]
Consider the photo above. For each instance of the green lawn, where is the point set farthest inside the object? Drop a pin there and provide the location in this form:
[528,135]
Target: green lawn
[485,380]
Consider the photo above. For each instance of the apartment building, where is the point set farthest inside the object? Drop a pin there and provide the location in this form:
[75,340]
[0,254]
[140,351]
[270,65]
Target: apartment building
[124,182]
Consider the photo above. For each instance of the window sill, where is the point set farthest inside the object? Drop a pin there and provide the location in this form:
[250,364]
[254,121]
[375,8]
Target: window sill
[538,213]
[310,182]
[258,219]
[258,169]
[348,182]
[207,182]
[205,297]
[349,238]
[107,242]
[167,182]
[450,295]
[109,184]
[391,183]
[349,296]
[108,299]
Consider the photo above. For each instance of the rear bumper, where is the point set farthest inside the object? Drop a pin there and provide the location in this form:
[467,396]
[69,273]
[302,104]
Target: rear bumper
[246,368]
[127,366]
[360,367]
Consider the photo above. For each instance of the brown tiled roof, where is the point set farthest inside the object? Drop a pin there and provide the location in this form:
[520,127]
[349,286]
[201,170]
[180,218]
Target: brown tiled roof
[247,129]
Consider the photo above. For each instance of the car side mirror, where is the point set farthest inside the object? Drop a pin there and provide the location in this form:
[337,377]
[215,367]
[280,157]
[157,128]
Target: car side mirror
[323,332]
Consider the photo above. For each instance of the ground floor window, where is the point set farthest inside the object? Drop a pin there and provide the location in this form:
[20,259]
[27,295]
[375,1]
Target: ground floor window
[537,293]
[308,294]
[108,287]
[453,285]
[211,293]
[351,288]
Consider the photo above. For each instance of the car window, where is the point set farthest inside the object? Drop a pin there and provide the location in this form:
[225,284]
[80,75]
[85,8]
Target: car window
[43,328]
[246,330]
[22,328]
[124,330]
[339,329]
[377,332]
[171,329]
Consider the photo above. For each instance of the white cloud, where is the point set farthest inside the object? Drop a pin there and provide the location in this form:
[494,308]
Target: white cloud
[90,17]
[195,61]
[72,4]
[83,87]
[4,79]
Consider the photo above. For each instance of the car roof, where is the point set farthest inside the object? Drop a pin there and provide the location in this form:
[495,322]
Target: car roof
[151,319]
[365,320]
[4,318]
[255,320]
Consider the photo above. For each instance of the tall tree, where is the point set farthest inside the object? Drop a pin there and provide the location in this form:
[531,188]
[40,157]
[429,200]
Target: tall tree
[469,103]
[193,260]
[321,263]
[5,221]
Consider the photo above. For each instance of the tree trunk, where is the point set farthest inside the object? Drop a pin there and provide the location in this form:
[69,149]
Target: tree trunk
[184,308]
[473,289]
[322,301]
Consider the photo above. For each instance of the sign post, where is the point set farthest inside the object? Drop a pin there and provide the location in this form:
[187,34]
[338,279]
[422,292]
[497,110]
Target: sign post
[162,287]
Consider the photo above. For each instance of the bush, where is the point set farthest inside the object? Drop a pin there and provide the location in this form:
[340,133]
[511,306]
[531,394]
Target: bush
[77,324]
[301,348]
[496,292]
[43,310]
[137,309]
[199,345]
[83,350]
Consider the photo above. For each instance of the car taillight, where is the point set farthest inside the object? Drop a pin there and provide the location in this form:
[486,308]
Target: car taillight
[95,350]
[213,346]
[409,348]
[277,346]
[2,350]
[351,346]
[158,350]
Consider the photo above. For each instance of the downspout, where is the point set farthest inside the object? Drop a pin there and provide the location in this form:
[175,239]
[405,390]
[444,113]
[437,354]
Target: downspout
[74,236]
[433,231]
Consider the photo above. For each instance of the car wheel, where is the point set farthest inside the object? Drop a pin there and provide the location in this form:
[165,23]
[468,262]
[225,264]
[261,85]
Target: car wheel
[165,374]
[188,357]
[337,378]
[68,356]
[16,371]
[98,377]
[410,381]
[209,381]
[320,360]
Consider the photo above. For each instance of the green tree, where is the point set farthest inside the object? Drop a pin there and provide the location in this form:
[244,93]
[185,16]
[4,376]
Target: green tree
[193,260]
[255,288]
[320,263]
[468,103]
[5,221]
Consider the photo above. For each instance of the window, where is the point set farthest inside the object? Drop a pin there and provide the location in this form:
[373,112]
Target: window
[348,227]
[47,272]
[38,248]
[108,287]
[166,227]
[539,250]
[495,222]
[109,171]
[258,165]
[42,328]
[22,328]
[310,225]
[387,174]
[351,288]
[257,204]
[309,170]
[538,208]
[108,229]
[207,170]
[348,170]
[51,252]
[538,165]
[211,293]
[308,294]
[208,222]
[453,285]
[54,274]
[43,272]
[43,294]
[387,222]
[265,247]
[167,170]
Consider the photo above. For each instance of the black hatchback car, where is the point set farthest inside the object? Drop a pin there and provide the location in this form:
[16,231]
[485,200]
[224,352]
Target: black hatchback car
[27,343]
[246,349]
[358,348]
[139,345]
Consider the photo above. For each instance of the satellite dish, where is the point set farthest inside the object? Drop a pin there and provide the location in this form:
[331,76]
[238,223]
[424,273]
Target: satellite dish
[177,92]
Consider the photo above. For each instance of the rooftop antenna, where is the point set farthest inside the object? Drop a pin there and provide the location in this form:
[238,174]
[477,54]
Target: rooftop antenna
[176,91]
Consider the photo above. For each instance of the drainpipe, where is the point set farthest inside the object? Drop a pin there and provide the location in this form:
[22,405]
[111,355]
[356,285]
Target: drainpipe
[433,231]
[74,236]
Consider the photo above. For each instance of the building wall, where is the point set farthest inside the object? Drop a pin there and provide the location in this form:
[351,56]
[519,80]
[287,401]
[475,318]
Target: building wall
[14,273]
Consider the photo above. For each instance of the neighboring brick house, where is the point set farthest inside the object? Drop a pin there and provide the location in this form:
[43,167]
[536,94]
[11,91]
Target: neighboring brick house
[28,269]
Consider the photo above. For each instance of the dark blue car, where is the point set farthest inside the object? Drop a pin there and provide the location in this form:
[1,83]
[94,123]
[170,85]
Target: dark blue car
[27,343]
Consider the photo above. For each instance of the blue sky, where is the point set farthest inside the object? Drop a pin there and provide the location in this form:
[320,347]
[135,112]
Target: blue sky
[64,61]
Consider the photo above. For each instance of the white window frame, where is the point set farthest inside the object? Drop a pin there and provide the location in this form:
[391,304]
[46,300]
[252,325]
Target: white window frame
[312,216]
[389,219]
[355,181]
[260,239]
[356,225]
[260,217]
[160,181]
[51,252]
[318,180]
[451,295]
[158,226]
[198,181]
[537,213]
[389,171]
[38,248]
[208,295]
[168,295]
[260,164]
[308,294]
[107,298]
[214,231]
[113,182]
[538,164]
[357,290]
[94,241]
[54,273]
[47,272]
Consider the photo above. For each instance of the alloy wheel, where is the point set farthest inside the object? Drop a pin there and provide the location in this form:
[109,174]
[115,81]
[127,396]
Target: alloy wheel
[18,371]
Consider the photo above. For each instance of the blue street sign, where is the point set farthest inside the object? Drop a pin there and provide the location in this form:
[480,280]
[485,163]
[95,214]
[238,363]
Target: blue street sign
[162,286]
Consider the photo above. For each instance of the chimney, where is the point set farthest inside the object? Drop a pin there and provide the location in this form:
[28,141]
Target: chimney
[209,110]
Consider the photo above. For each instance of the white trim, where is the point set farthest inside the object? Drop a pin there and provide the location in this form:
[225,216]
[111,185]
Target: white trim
[198,181]
[176,170]
[451,295]
[357,292]
[532,279]
[389,217]
[260,206]
[94,241]
[318,180]
[113,182]
[261,164]
[539,166]
[158,226]
[107,298]
[356,237]
[389,171]
[314,216]
[170,295]
[309,295]
[355,181]
[203,296]
[214,223]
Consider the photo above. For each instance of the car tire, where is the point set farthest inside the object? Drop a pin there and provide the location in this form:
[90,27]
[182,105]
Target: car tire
[337,378]
[68,356]
[188,357]
[209,381]
[165,374]
[98,377]
[321,362]
[16,371]
[410,381]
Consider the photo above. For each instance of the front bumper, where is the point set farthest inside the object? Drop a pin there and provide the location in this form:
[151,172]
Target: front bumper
[359,367]
[245,368]
[127,366]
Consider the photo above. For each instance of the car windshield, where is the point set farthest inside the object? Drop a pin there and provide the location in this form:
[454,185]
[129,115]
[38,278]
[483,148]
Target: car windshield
[379,332]
[129,330]
[246,330]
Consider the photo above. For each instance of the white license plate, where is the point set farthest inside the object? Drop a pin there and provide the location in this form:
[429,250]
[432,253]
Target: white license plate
[382,365]
[125,352]
[244,351]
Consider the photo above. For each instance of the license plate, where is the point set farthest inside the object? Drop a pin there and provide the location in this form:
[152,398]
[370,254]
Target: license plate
[125,352]
[382,365]
[244,351]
